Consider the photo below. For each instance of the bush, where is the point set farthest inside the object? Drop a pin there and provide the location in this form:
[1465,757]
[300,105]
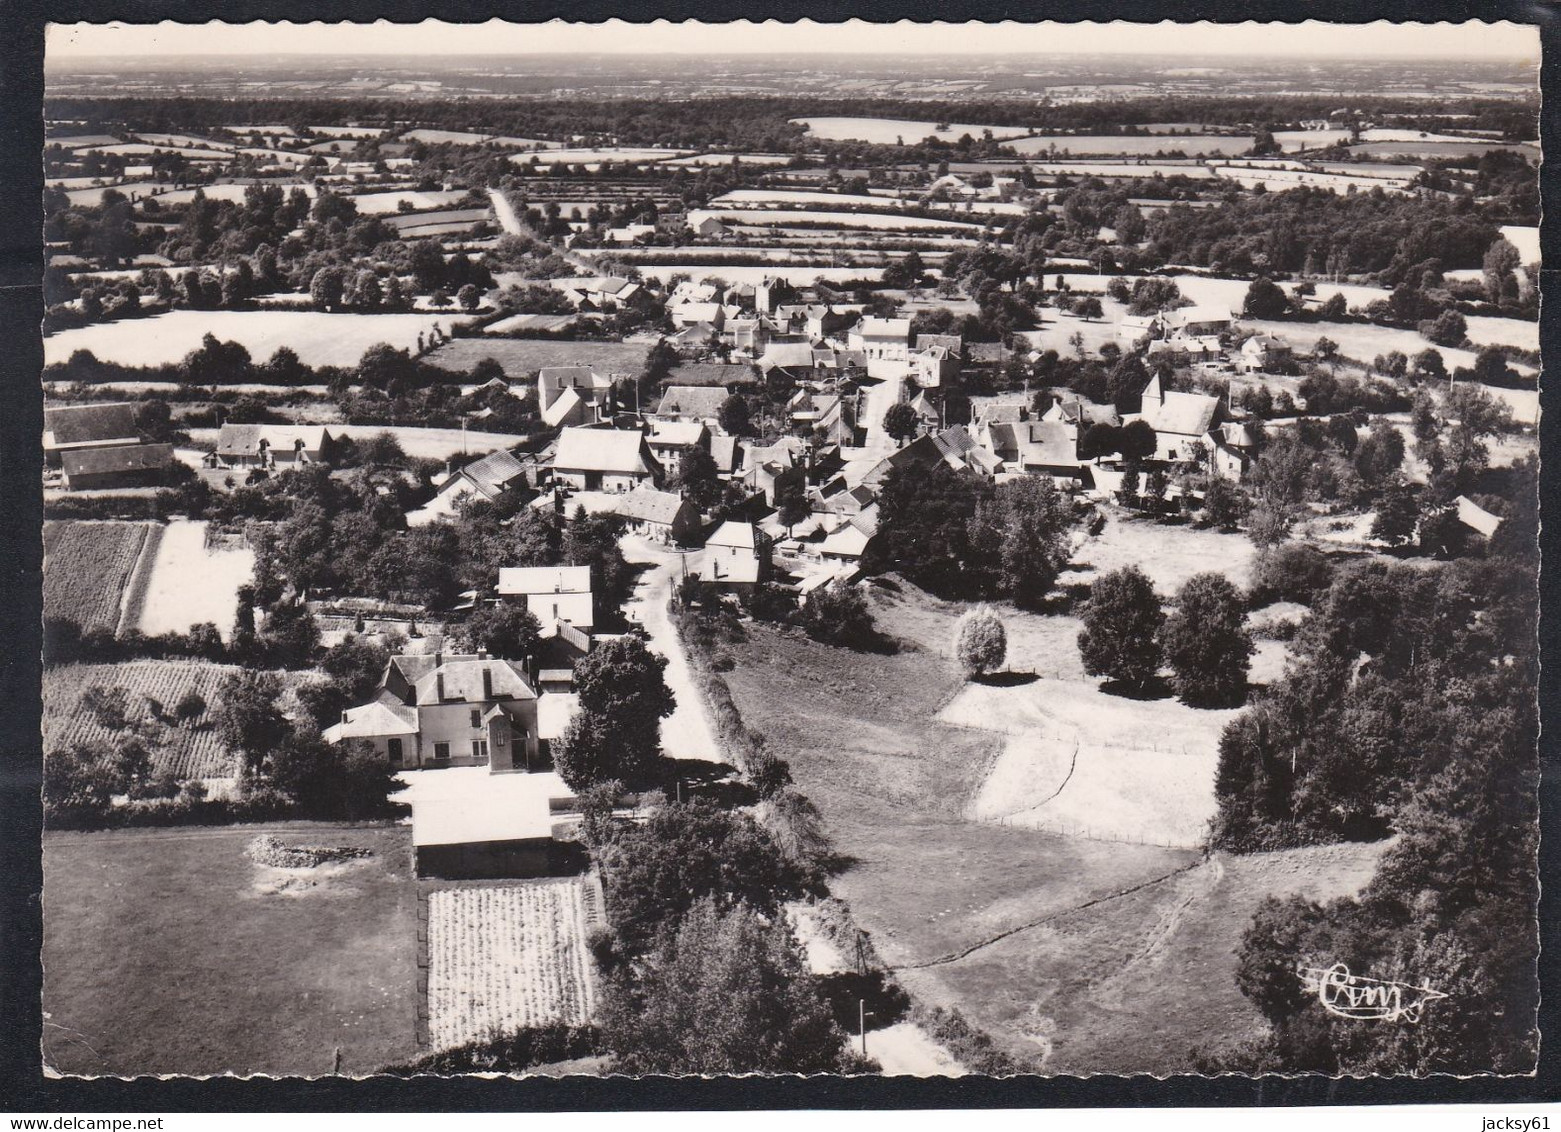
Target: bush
[1291,571]
[837,614]
[191,706]
[980,641]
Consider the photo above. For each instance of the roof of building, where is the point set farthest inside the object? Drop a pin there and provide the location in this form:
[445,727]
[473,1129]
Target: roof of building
[713,373]
[86,424]
[725,451]
[787,355]
[1187,316]
[517,580]
[604,450]
[245,439]
[461,681]
[699,401]
[553,378]
[1184,414]
[1475,517]
[494,472]
[951,342]
[373,720]
[899,328]
[647,505]
[677,434]
[1086,413]
[742,536]
[124,458]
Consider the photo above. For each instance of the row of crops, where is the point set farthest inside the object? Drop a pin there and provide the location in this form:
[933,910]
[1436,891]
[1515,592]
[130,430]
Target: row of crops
[87,566]
[505,958]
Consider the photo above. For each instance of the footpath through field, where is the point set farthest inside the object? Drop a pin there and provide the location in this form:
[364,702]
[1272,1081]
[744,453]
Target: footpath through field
[686,733]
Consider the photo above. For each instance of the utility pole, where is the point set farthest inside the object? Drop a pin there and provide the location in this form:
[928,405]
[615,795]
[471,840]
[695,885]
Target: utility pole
[861,1022]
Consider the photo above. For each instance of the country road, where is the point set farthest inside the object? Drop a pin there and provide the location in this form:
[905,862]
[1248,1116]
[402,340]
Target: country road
[686,733]
[512,223]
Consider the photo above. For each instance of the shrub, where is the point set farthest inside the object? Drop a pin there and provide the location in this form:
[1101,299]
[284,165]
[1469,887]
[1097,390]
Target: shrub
[1206,643]
[980,641]
[108,705]
[837,614]
[1291,571]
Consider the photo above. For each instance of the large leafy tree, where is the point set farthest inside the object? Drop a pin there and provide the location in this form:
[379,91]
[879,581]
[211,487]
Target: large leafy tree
[1122,621]
[1020,536]
[504,630]
[617,732]
[248,718]
[1206,643]
[726,992]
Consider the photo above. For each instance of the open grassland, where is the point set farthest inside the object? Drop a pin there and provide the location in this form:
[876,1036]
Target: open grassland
[169,951]
[502,958]
[1137,983]
[522,357]
[189,749]
[318,337]
[86,567]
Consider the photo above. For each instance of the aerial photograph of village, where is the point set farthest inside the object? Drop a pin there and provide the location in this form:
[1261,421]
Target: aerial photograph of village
[656,550]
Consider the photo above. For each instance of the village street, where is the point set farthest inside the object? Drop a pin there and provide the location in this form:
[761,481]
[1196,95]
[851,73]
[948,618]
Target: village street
[880,398]
[513,224]
[686,733]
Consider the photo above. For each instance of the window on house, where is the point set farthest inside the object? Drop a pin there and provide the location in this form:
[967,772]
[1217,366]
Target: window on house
[476,718]
[441,752]
[395,752]
[480,750]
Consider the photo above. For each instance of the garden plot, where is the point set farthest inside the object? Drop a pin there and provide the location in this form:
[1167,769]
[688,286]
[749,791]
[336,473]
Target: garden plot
[842,219]
[233,193]
[1190,169]
[505,958]
[798,276]
[189,749]
[577,156]
[318,337]
[86,569]
[377,204]
[192,583]
[1168,554]
[1294,141]
[723,159]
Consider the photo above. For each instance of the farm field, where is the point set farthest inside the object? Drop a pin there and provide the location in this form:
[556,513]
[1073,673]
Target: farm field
[506,957]
[1441,148]
[1135,984]
[1190,169]
[423,443]
[92,197]
[1295,141]
[227,192]
[169,951]
[1146,146]
[188,751]
[726,159]
[87,567]
[376,204]
[750,274]
[1525,238]
[319,338]
[191,583]
[576,156]
[892,131]
[842,219]
[522,357]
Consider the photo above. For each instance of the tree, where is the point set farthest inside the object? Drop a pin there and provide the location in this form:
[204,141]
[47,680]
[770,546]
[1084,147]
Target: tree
[108,704]
[1334,308]
[1019,540]
[1206,643]
[1137,441]
[698,477]
[1429,366]
[506,630]
[733,416]
[724,991]
[328,286]
[1122,621]
[247,718]
[837,614]
[901,422]
[290,635]
[1265,299]
[623,696]
[1089,308]
[1398,513]
[79,784]
[1224,504]
[683,852]
[190,707]
[980,641]
[469,297]
[1448,329]
[347,781]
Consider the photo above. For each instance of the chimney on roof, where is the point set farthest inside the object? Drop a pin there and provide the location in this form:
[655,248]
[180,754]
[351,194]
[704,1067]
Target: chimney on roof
[439,687]
[487,683]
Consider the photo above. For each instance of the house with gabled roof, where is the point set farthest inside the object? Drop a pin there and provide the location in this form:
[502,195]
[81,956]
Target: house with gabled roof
[737,557]
[691,402]
[434,710]
[572,395]
[488,478]
[664,516]
[1180,420]
[273,446]
[69,427]
[604,459]
[130,465]
[885,342]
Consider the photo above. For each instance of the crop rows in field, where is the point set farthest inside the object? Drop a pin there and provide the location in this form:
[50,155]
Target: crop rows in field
[87,566]
[503,958]
[187,750]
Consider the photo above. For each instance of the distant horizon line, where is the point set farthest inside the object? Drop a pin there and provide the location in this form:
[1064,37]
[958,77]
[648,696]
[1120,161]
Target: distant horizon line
[823,52]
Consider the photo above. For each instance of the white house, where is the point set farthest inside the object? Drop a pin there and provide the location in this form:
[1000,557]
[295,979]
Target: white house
[571,395]
[604,459]
[487,478]
[1180,420]
[885,343]
[551,593]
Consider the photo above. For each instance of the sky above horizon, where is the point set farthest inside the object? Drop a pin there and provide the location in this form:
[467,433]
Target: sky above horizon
[1311,39]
